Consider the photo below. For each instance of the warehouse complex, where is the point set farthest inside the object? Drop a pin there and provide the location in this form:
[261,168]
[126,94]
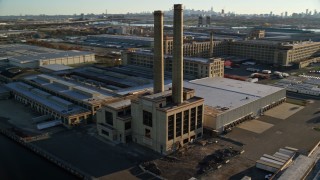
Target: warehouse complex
[205,49]
[229,102]
[278,53]
[167,118]
[194,67]
[121,40]
[26,56]
[91,99]
[263,51]
[164,120]
[49,104]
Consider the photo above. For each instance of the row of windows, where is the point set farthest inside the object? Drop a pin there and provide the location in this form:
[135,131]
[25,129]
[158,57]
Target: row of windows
[186,119]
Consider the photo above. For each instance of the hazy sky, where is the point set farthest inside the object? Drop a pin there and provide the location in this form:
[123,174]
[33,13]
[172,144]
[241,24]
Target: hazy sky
[52,7]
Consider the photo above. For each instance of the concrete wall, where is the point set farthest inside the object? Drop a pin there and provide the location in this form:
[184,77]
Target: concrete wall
[252,107]
[159,130]
[116,131]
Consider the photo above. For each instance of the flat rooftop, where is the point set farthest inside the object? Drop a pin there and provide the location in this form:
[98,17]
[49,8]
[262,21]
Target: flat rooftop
[222,92]
[218,92]
[10,50]
[120,104]
[286,43]
[46,56]
[298,169]
[122,37]
[169,57]
[71,89]
[56,67]
[44,98]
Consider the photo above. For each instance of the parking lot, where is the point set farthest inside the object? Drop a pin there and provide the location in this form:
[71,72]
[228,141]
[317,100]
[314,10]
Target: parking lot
[295,131]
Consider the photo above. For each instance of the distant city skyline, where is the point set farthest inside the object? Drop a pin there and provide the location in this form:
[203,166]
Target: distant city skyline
[69,7]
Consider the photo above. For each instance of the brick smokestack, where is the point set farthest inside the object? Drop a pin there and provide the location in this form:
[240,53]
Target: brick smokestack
[177,64]
[158,67]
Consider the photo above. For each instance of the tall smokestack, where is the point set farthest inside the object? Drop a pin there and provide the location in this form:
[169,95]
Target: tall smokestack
[177,64]
[158,68]
[211,45]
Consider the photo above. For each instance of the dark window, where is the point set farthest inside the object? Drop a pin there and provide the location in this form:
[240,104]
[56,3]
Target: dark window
[185,141]
[120,113]
[105,132]
[109,118]
[147,133]
[193,119]
[199,117]
[128,112]
[199,135]
[127,125]
[170,127]
[186,122]
[178,124]
[147,118]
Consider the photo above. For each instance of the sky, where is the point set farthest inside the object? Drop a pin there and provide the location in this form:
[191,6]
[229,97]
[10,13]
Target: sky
[54,7]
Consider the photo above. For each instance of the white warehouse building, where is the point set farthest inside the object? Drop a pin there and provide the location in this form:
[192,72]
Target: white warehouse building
[27,56]
[65,58]
[229,102]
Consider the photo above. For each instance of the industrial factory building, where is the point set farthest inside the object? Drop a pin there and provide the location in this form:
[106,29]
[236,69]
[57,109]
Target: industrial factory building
[229,102]
[164,120]
[272,52]
[26,56]
[193,67]
[204,49]
[91,99]
[121,40]
[49,104]
[114,121]
[170,117]
[263,51]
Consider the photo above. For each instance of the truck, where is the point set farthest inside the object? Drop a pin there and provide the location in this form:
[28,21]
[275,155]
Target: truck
[249,63]
[259,75]
[266,71]
[253,69]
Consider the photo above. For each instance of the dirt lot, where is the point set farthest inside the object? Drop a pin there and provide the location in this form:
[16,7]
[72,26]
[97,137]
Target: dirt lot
[186,161]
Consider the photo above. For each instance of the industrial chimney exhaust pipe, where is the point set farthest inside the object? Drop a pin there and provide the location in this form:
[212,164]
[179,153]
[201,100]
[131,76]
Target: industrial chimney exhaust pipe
[177,64]
[158,67]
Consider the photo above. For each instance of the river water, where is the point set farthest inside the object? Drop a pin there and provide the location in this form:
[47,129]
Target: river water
[17,162]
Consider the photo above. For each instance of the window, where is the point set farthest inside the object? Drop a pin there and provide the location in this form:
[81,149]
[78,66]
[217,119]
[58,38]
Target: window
[147,133]
[178,124]
[199,117]
[147,118]
[170,127]
[109,118]
[127,125]
[186,122]
[193,119]
[199,135]
[105,132]
[185,141]
[120,113]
